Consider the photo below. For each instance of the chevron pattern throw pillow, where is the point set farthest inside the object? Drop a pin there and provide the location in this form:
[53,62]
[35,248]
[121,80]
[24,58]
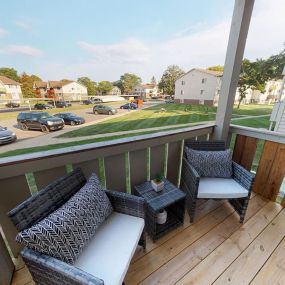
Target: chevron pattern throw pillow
[64,233]
[210,163]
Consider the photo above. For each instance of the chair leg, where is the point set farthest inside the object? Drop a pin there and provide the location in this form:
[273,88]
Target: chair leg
[142,241]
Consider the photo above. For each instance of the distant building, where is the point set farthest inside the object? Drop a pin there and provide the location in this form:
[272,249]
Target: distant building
[251,97]
[146,90]
[198,86]
[10,90]
[62,90]
[116,91]
[272,90]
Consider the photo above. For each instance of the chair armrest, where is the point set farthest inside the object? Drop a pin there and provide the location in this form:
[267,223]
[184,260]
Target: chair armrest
[52,271]
[243,176]
[189,178]
[126,204]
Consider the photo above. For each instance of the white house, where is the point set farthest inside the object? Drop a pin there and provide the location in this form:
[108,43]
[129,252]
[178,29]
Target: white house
[272,90]
[251,96]
[116,91]
[10,90]
[146,90]
[198,86]
[63,90]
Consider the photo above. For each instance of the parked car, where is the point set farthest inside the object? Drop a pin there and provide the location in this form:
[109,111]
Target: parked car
[6,136]
[130,106]
[70,118]
[169,101]
[12,105]
[39,121]
[62,104]
[103,109]
[88,102]
[42,106]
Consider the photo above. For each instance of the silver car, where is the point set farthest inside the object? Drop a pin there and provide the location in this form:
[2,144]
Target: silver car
[6,136]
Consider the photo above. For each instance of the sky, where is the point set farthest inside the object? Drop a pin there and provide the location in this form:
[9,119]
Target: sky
[67,39]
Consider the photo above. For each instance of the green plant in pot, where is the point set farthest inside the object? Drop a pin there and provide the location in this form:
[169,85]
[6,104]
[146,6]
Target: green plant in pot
[157,183]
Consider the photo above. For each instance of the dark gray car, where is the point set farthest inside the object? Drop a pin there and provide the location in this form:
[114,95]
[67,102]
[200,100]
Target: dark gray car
[6,136]
[103,109]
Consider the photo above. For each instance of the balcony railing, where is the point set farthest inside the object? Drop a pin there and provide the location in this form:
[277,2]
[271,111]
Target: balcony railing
[123,163]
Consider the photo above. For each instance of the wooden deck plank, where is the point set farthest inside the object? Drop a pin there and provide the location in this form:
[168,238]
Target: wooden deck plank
[247,265]
[229,250]
[22,277]
[180,265]
[273,272]
[204,207]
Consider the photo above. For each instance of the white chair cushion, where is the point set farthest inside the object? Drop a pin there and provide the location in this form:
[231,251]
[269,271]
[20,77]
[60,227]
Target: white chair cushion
[109,252]
[220,188]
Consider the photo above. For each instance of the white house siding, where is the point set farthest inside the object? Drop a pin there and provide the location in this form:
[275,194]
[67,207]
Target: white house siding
[272,90]
[12,93]
[73,91]
[197,87]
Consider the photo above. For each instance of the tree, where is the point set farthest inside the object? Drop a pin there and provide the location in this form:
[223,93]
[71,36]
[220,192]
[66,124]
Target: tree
[153,80]
[119,84]
[10,73]
[170,75]
[128,82]
[105,87]
[89,84]
[27,82]
[216,68]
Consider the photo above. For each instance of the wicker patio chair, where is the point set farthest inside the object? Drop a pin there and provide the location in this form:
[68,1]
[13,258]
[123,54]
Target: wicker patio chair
[190,180]
[45,269]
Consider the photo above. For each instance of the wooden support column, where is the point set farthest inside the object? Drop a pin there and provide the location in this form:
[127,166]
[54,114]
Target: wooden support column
[6,264]
[235,50]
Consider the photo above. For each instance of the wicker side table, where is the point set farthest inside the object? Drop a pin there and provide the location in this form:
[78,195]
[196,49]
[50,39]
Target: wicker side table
[171,199]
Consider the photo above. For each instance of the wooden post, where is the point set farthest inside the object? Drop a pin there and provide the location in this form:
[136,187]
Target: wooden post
[235,50]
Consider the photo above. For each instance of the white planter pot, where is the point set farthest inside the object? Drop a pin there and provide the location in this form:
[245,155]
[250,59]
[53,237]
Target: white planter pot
[161,217]
[157,186]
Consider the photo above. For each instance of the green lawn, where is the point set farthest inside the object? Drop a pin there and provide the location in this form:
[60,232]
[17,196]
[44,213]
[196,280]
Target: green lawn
[154,117]
[262,122]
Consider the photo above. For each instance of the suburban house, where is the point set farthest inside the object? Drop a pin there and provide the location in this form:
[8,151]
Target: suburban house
[10,90]
[198,86]
[272,90]
[252,96]
[146,90]
[62,90]
[116,91]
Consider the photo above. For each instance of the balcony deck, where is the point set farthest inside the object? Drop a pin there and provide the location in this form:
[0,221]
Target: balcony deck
[215,249]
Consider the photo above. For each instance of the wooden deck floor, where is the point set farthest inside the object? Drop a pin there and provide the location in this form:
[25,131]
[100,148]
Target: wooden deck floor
[216,249]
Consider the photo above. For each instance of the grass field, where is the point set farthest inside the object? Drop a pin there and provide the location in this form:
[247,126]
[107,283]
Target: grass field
[154,117]
[172,114]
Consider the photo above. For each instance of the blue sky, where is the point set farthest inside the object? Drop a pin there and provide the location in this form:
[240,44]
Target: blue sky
[103,39]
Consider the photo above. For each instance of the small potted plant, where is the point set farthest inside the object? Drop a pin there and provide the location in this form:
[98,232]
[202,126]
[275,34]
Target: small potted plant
[157,183]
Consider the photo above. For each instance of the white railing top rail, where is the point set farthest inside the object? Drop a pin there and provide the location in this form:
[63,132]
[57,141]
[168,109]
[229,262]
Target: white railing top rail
[258,133]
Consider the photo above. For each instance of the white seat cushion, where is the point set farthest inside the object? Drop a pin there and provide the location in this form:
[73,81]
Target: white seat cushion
[220,188]
[109,252]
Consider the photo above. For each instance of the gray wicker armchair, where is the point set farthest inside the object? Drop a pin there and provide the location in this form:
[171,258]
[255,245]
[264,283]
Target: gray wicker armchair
[190,179]
[47,270]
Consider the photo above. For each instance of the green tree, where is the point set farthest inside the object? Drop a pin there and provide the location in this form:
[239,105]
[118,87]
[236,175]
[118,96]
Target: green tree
[104,87]
[89,84]
[27,82]
[10,73]
[170,75]
[128,82]
[153,80]
[216,68]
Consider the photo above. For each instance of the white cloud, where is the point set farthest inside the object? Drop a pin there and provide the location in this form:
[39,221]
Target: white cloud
[3,32]
[24,25]
[23,50]
[130,51]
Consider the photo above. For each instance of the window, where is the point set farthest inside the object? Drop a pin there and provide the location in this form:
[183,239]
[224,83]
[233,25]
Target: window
[204,80]
[201,92]
[182,82]
[181,92]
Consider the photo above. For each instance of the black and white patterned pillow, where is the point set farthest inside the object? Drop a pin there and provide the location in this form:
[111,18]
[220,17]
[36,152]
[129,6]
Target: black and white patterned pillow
[210,163]
[64,233]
